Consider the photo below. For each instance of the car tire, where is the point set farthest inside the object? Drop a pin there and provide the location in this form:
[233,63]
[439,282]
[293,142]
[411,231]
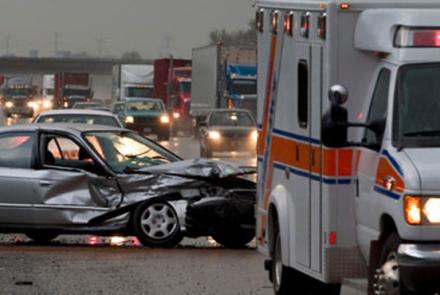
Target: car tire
[234,239]
[388,263]
[156,224]
[164,136]
[42,236]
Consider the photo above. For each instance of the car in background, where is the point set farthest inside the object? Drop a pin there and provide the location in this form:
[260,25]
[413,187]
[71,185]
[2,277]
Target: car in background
[87,105]
[86,179]
[71,116]
[146,115]
[228,130]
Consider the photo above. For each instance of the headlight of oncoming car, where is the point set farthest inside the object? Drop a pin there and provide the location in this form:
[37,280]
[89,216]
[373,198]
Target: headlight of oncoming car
[254,135]
[165,119]
[9,104]
[422,210]
[214,135]
[129,120]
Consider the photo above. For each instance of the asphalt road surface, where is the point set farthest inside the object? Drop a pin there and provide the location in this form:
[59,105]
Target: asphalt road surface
[94,265]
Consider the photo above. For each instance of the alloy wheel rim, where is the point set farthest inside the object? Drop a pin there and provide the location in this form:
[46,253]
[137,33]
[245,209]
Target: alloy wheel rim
[386,279]
[159,221]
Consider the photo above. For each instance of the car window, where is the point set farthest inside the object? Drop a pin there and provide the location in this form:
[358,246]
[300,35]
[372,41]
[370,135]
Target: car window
[231,119]
[122,150]
[80,119]
[118,108]
[64,152]
[16,150]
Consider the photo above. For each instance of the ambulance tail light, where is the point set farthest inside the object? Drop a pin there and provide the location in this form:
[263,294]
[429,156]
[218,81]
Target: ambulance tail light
[332,238]
[288,23]
[305,25]
[413,37]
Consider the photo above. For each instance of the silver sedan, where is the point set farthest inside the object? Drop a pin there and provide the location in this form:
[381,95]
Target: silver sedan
[79,179]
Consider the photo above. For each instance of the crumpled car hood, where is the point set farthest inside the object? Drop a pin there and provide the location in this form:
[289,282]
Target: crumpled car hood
[198,167]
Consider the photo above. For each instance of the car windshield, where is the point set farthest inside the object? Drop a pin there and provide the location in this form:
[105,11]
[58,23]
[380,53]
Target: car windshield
[419,105]
[244,87]
[128,151]
[231,119]
[83,106]
[185,87]
[80,119]
[139,92]
[19,92]
[145,106]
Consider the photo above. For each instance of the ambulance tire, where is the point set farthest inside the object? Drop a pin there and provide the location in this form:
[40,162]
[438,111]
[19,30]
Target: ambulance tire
[388,254]
[283,278]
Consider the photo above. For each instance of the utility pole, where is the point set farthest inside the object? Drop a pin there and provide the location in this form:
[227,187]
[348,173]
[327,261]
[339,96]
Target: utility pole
[7,44]
[100,46]
[56,42]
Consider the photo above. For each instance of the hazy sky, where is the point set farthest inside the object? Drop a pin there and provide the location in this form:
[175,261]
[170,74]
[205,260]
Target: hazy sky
[123,25]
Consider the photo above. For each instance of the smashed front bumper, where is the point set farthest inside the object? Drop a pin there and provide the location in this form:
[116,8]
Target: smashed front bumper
[419,266]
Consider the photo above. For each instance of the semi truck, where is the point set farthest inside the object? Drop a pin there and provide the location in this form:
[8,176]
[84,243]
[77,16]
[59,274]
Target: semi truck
[48,91]
[19,96]
[172,84]
[349,182]
[223,77]
[71,88]
[132,81]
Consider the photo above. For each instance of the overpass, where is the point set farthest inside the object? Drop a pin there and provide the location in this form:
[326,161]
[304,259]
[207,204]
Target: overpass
[30,65]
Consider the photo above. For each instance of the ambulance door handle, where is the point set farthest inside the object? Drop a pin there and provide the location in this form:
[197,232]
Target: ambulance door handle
[389,182]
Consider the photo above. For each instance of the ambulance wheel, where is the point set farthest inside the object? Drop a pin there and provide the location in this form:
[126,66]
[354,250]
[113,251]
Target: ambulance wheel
[282,277]
[386,277]
[156,224]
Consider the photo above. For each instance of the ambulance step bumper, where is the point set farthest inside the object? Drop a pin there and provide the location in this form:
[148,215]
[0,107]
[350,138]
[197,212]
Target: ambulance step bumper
[419,266]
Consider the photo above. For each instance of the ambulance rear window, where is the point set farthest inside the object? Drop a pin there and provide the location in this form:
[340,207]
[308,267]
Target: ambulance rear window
[303,93]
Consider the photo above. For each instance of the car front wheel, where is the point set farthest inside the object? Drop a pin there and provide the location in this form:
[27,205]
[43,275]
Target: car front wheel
[156,224]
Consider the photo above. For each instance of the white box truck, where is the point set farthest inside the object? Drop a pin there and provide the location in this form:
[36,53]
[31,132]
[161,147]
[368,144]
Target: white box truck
[349,183]
[132,81]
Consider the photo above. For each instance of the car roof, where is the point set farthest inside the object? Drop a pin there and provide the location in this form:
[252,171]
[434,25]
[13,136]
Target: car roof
[76,112]
[71,128]
[230,111]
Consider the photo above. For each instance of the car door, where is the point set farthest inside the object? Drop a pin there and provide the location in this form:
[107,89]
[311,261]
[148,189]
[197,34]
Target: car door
[73,187]
[17,178]
[369,159]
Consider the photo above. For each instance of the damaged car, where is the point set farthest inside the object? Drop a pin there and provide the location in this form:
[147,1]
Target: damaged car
[86,179]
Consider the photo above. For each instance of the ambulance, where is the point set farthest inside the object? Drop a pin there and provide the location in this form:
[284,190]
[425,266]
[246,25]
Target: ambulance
[349,144]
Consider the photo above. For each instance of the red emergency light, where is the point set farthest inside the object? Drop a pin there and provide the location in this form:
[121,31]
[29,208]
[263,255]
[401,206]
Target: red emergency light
[305,24]
[275,15]
[259,20]
[413,37]
[288,23]
[322,25]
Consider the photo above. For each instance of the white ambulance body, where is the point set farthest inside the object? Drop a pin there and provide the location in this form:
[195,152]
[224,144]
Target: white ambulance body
[326,203]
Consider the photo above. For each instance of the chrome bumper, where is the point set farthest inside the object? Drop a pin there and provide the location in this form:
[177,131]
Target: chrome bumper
[419,266]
